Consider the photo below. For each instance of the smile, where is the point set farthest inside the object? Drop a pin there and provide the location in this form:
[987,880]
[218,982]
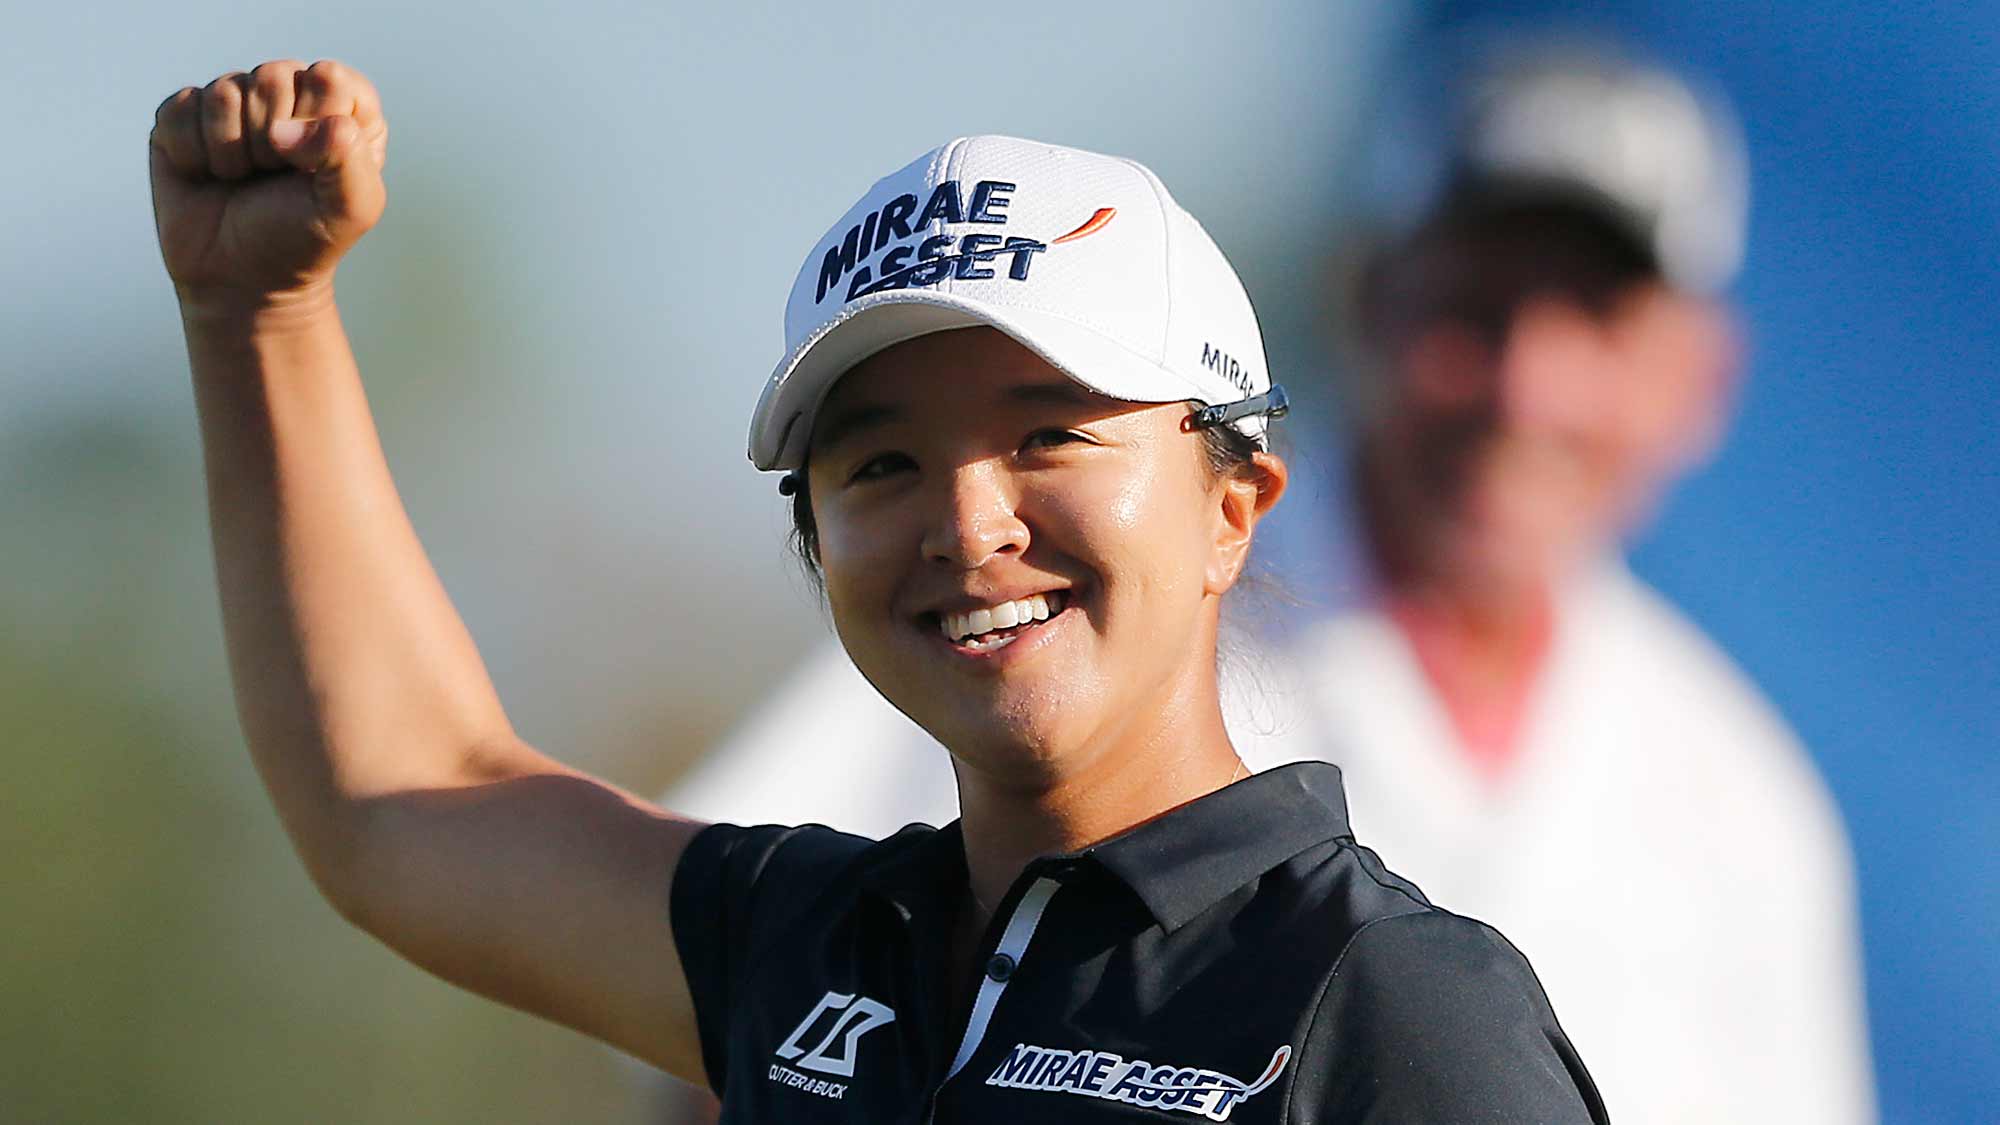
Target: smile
[996,626]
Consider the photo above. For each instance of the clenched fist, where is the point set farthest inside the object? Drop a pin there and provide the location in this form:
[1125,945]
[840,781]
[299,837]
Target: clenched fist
[261,181]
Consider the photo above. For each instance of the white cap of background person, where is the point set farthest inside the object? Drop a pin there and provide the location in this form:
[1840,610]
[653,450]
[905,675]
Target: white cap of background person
[1481,120]
[1082,258]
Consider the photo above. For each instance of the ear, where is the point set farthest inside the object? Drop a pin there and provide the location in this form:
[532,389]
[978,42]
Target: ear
[1710,350]
[1241,501]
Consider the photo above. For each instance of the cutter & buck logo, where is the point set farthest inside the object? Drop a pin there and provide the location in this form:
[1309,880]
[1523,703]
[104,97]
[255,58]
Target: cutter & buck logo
[1112,1077]
[834,1028]
[967,257]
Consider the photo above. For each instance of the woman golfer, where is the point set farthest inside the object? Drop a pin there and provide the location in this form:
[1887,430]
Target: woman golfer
[1022,420]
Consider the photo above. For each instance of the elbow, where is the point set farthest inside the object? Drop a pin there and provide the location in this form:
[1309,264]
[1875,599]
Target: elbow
[335,863]
[342,847]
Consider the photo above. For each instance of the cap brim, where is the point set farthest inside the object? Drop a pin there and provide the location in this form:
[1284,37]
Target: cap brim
[781,427]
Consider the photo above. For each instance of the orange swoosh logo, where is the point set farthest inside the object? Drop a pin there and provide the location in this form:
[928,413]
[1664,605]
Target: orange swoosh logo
[1091,225]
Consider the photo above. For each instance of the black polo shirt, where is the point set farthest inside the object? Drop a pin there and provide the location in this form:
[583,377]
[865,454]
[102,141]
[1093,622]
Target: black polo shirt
[1240,958]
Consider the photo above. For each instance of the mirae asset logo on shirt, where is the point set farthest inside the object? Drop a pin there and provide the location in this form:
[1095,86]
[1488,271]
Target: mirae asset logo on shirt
[1102,1074]
[853,1017]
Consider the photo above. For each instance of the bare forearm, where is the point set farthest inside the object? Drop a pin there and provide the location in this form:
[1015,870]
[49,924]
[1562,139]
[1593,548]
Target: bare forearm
[354,675]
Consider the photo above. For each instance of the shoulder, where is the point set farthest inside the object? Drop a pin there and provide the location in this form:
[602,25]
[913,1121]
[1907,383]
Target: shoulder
[1638,629]
[1760,779]
[1413,958]
[1327,642]
[791,865]
[780,850]
[1432,1016]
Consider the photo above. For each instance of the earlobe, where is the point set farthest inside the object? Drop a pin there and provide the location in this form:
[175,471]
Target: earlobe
[1716,361]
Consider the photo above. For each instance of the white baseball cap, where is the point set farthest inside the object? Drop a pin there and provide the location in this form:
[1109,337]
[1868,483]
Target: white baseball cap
[1084,259]
[1519,117]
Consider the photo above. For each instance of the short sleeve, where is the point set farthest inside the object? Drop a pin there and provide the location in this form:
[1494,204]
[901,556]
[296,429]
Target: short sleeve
[734,890]
[1432,1017]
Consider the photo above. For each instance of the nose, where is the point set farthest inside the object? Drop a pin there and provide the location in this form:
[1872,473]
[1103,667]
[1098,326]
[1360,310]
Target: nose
[976,520]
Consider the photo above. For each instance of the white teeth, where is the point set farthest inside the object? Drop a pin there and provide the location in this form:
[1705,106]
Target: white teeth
[1006,615]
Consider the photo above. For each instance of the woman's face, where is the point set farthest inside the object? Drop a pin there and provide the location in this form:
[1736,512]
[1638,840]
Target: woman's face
[1024,567]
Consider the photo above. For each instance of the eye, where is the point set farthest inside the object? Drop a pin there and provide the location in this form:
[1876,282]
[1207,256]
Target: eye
[879,466]
[1050,438]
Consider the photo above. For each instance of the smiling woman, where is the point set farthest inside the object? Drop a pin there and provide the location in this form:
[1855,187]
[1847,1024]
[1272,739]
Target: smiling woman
[1029,446]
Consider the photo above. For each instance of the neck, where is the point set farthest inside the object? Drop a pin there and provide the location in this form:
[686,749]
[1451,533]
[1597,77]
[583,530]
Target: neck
[1478,619]
[1155,761]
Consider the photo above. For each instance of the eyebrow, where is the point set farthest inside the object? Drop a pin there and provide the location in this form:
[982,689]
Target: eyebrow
[851,421]
[1064,393]
[865,416]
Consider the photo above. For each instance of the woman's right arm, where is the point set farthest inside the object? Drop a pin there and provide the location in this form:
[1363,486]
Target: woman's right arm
[419,813]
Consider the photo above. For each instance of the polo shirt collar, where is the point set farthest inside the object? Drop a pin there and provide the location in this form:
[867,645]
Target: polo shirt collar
[1181,863]
[919,870]
[1178,864]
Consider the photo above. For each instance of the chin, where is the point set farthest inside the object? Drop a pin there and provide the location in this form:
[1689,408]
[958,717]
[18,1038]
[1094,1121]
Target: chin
[1016,736]
[1014,717]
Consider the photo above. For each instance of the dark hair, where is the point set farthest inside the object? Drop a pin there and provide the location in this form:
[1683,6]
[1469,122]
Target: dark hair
[1226,452]
[1482,257]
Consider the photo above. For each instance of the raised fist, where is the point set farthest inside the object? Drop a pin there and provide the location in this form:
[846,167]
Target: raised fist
[261,181]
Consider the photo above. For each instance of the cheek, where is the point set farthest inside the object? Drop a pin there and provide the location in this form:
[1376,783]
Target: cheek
[1140,532]
[1117,507]
[854,557]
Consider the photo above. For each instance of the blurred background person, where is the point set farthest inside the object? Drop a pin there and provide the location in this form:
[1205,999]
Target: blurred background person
[1536,352]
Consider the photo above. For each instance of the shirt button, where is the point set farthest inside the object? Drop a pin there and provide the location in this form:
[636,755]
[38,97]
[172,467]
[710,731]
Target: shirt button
[1000,968]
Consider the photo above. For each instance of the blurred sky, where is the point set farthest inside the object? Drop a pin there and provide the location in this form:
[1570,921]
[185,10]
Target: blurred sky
[569,310]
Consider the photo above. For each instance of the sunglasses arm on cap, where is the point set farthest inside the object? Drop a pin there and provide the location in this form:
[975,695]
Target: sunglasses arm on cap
[1273,403]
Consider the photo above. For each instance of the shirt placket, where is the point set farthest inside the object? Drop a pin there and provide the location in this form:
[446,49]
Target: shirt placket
[1002,953]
